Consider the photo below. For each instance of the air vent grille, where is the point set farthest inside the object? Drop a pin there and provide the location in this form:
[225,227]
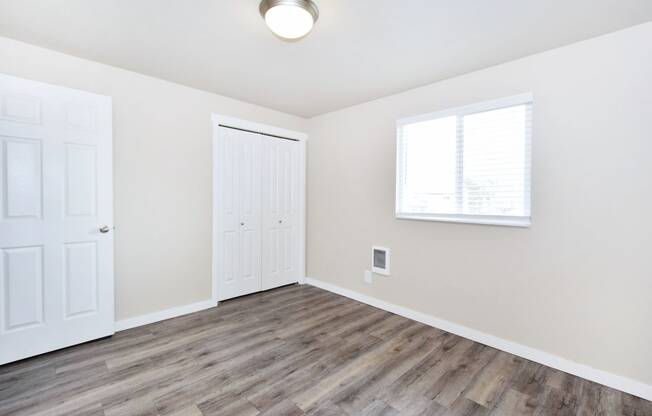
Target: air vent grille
[380,260]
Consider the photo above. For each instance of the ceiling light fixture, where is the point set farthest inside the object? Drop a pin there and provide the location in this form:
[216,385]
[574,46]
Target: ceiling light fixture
[289,19]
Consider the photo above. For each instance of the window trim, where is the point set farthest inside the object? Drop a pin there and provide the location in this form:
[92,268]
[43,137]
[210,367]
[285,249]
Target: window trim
[522,222]
[510,221]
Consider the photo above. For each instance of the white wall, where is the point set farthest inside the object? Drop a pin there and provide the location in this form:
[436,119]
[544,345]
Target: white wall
[162,173]
[578,283]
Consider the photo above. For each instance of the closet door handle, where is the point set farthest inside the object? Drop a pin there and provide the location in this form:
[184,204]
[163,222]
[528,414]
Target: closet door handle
[242,223]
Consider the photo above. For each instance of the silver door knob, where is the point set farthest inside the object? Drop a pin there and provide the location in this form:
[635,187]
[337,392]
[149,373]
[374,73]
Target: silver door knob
[242,223]
[105,229]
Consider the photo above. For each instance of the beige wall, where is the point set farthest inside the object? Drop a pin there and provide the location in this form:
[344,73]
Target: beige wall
[162,173]
[578,283]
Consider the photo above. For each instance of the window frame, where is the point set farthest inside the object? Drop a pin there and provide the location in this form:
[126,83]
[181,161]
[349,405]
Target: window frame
[497,104]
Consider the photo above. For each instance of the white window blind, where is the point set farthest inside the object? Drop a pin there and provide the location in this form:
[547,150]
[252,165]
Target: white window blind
[470,164]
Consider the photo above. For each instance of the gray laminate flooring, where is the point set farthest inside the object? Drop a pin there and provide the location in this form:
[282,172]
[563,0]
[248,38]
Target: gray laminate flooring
[296,350]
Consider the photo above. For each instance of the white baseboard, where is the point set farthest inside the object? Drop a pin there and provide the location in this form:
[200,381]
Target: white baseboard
[621,383]
[150,318]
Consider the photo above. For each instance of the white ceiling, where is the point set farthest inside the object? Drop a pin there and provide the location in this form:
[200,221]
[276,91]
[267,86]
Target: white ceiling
[358,51]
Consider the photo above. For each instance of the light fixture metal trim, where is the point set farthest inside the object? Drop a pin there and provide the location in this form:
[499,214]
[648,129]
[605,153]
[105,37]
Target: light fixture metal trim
[307,5]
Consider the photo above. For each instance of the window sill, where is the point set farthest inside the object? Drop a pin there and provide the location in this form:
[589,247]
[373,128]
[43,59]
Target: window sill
[521,222]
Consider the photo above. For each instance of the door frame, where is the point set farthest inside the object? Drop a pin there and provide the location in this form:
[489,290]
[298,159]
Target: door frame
[218,120]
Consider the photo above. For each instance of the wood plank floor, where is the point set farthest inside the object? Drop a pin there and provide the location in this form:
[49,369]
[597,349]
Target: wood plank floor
[297,350]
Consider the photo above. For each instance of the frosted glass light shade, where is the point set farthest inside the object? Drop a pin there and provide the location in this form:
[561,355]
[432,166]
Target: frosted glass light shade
[289,19]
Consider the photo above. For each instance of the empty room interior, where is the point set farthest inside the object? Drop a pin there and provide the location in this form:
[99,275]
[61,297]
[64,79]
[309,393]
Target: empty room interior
[325,208]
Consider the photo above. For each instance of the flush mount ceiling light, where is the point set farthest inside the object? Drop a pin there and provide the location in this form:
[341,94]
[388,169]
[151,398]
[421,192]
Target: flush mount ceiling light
[289,19]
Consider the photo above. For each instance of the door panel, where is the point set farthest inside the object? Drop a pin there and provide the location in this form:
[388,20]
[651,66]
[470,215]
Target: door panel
[80,267]
[23,287]
[239,213]
[56,268]
[20,108]
[23,177]
[288,248]
[230,256]
[280,212]
[80,180]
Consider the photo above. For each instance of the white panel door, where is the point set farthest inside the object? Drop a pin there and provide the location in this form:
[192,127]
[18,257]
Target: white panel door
[280,212]
[56,266]
[239,211]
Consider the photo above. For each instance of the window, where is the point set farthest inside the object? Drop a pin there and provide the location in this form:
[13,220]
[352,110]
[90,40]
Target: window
[470,164]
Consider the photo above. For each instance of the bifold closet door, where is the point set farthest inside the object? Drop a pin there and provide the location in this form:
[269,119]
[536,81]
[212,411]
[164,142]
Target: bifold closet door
[239,209]
[280,212]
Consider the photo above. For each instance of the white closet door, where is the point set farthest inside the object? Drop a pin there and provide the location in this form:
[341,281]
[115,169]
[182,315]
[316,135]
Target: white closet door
[56,266]
[239,209]
[280,212]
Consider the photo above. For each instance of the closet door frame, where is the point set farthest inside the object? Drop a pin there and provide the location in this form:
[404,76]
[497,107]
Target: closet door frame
[217,121]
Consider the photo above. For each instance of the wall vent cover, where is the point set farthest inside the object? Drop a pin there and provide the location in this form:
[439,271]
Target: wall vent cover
[380,260]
